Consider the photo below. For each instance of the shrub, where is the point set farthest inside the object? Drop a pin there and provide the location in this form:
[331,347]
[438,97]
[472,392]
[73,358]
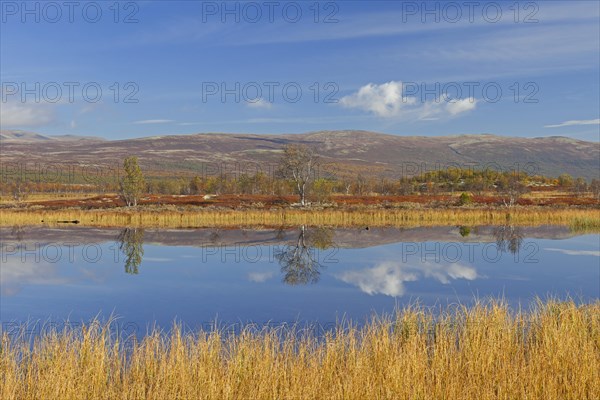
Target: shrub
[465,199]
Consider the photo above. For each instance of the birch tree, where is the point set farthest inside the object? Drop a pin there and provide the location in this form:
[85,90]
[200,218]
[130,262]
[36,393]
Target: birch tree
[298,164]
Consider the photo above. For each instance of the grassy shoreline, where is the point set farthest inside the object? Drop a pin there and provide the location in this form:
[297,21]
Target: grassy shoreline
[486,351]
[146,217]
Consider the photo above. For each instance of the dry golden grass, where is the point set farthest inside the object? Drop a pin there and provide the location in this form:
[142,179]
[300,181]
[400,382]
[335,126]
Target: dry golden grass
[33,197]
[590,224]
[168,218]
[483,352]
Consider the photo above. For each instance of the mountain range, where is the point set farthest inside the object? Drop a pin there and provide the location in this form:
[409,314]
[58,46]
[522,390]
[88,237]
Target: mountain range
[351,151]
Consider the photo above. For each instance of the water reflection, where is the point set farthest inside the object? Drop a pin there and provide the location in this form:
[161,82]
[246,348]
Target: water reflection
[18,232]
[388,278]
[300,262]
[464,231]
[235,274]
[508,238]
[131,241]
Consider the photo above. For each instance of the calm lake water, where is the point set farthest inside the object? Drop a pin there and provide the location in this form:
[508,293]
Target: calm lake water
[316,275]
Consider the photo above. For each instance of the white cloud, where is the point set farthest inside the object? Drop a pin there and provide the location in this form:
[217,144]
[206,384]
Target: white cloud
[153,121]
[260,103]
[259,277]
[387,100]
[16,274]
[460,106]
[595,253]
[384,100]
[575,123]
[388,277]
[25,115]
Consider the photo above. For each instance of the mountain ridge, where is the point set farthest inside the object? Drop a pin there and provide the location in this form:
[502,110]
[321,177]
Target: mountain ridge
[353,152]
[27,136]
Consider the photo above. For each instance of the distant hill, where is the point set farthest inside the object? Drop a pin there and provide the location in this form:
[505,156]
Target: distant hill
[25,136]
[353,152]
[6,135]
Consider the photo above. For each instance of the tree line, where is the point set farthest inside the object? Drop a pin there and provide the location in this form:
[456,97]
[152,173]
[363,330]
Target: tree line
[298,174]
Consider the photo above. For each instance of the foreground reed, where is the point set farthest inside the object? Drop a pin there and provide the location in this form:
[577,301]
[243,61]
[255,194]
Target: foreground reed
[482,352]
[586,219]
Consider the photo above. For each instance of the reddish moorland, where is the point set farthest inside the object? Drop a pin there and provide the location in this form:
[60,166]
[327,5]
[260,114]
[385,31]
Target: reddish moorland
[269,202]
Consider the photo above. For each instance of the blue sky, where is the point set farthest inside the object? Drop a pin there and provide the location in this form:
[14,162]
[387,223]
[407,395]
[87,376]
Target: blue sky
[376,65]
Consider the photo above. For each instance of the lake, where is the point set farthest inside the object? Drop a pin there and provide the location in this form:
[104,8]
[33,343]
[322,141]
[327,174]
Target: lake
[273,276]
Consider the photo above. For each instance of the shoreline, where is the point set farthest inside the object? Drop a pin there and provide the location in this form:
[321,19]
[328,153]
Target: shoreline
[171,217]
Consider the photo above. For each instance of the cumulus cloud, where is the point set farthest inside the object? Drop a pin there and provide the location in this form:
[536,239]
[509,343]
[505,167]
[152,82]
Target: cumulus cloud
[387,100]
[460,106]
[388,278]
[20,115]
[384,100]
[575,123]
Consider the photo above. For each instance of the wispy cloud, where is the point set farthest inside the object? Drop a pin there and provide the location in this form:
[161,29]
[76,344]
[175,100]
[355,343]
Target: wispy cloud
[284,120]
[153,121]
[595,253]
[158,259]
[542,42]
[260,103]
[20,115]
[575,123]
[396,21]
[259,277]
[388,278]
[16,274]
[307,119]
[387,100]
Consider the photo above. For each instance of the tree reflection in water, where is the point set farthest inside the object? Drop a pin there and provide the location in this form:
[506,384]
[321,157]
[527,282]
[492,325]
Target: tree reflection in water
[131,242]
[508,238]
[18,232]
[300,262]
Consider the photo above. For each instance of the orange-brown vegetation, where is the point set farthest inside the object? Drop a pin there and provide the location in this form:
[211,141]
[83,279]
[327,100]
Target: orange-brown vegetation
[534,198]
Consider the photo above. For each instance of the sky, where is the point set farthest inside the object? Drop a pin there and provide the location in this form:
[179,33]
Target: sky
[130,69]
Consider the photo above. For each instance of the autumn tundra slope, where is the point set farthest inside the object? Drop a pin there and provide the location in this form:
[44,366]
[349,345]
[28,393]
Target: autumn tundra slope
[350,151]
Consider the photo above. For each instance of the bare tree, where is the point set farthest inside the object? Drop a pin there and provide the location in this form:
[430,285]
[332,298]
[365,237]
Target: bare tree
[20,190]
[508,238]
[511,189]
[580,187]
[300,262]
[595,188]
[361,185]
[298,164]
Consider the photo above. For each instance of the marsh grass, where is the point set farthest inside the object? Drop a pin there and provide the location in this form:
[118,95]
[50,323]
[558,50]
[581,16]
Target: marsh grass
[189,218]
[589,223]
[486,351]
[33,197]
